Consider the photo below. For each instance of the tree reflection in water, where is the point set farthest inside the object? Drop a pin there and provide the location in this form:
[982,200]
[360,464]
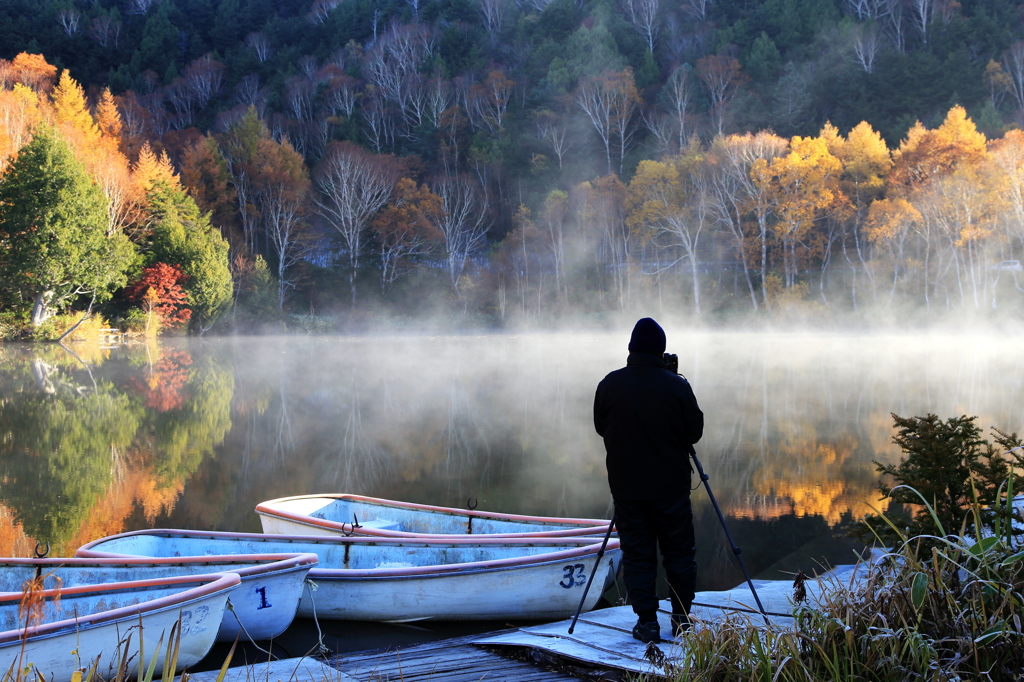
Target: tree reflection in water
[194,434]
[87,444]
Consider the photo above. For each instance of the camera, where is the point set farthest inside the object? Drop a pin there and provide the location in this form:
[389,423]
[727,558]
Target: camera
[672,362]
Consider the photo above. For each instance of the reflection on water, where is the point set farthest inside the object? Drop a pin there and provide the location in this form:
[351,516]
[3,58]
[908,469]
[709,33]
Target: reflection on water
[193,434]
[88,443]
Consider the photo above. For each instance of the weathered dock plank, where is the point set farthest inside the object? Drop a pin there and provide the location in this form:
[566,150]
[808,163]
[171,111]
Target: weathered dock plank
[452,660]
[603,638]
[287,670]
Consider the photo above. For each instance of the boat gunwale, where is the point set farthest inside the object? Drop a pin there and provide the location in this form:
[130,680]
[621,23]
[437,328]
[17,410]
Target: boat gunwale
[586,547]
[264,563]
[417,539]
[213,584]
[585,526]
[463,568]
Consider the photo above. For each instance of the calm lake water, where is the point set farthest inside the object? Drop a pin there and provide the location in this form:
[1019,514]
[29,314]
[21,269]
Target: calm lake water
[194,433]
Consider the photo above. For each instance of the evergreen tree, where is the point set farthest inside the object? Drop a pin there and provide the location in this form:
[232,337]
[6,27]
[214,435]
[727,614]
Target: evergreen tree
[54,245]
[183,236]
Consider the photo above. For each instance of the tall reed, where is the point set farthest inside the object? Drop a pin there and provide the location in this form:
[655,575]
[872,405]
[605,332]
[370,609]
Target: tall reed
[936,607]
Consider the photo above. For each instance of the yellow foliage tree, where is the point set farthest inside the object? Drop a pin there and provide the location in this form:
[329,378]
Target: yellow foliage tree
[801,185]
[19,114]
[866,161]
[889,224]
[1008,158]
[71,113]
[108,119]
[928,154]
[667,202]
[151,169]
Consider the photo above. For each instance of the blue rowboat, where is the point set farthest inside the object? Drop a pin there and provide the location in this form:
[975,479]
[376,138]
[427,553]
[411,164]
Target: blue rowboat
[261,608]
[409,579]
[97,625]
[342,514]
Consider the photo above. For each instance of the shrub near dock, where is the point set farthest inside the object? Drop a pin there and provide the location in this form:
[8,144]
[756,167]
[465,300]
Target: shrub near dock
[941,605]
[949,612]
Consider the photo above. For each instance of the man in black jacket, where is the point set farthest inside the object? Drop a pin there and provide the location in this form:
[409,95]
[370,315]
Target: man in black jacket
[649,419]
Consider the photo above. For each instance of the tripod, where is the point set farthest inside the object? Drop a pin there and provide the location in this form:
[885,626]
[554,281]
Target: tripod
[732,543]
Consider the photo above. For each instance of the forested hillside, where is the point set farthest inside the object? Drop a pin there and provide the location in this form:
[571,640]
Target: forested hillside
[506,160]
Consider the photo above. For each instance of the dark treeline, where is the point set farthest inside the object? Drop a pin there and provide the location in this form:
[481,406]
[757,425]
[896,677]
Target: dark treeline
[511,160]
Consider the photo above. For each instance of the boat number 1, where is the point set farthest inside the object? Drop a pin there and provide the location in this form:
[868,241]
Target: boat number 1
[264,604]
[574,576]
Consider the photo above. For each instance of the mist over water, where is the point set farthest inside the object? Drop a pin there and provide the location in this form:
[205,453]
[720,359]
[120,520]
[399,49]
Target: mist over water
[195,433]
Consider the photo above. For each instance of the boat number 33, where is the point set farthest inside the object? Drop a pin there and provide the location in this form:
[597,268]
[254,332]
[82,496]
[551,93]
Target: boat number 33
[573,576]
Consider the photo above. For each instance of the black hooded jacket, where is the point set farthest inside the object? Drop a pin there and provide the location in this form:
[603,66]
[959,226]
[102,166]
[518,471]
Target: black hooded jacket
[649,419]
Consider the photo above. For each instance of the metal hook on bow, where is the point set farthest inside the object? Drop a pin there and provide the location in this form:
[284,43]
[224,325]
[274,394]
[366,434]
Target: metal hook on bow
[352,527]
[42,555]
[471,504]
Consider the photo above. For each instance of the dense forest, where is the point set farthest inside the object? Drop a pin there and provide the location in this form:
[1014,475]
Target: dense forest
[221,164]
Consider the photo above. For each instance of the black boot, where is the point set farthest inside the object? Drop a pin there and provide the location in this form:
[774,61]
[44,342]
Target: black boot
[647,629]
[680,616]
[680,623]
[647,632]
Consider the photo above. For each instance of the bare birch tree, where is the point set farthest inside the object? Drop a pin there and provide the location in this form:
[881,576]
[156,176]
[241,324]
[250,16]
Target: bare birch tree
[204,77]
[105,31]
[1014,65]
[734,196]
[610,102]
[890,13]
[866,41]
[352,185]
[680,92]
[921,13]
[260,46]
[463,224]
[493,14]
[68,19]
[643,15]
[488,102]
[280,189]
[697,9]
[555,131]
[722,78]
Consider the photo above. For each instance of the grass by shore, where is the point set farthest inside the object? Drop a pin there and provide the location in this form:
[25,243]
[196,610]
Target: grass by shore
[935,607]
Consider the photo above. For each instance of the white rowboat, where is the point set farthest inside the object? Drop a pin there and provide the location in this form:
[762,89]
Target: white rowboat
[79,624]
[251,615]
[408,579]
[340,514]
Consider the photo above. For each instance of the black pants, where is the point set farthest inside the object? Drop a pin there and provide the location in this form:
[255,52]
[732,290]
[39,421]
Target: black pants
[643,527]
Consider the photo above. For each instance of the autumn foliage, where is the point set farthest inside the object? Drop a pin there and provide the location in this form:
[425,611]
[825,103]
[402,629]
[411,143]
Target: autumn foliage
[839,219]
[163,387]
[159,290]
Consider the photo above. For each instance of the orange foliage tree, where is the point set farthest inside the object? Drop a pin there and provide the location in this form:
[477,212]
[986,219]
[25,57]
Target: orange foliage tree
[406,228]
[31,70]
[159,288]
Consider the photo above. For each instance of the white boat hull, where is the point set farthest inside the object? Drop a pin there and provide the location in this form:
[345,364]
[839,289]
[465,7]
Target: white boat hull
[95,622]
[548,591]
[262,607]
[344,515]
[404,579]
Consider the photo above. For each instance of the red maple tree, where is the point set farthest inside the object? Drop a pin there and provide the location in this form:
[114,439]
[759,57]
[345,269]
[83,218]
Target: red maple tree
[159,290]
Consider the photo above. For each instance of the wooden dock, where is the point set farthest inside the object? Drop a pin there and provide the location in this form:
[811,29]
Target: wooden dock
[601,649]
[460,660]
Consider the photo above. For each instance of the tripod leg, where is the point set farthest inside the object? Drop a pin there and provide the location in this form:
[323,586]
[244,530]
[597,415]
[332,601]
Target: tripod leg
[590,580]
[732,543]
